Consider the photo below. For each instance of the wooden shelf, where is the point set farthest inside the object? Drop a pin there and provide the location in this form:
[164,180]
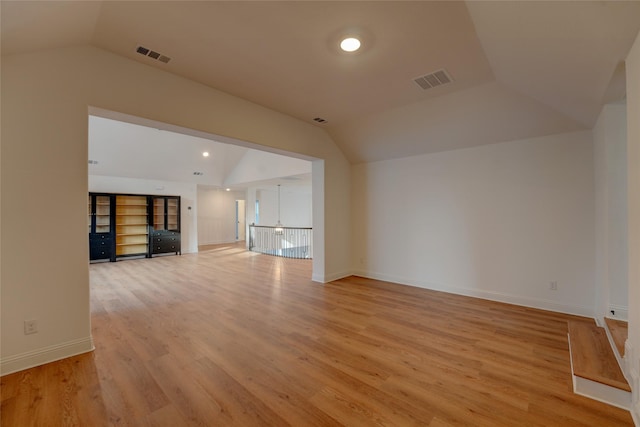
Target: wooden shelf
[128,218]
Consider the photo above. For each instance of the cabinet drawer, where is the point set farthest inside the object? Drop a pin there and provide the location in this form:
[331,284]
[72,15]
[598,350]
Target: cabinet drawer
[99,252]
[163,249]
[166,239]
[100,243]
[99,237]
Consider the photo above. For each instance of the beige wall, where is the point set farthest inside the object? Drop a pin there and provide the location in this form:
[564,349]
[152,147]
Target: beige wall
[45,101]
[498,221]
[632,352]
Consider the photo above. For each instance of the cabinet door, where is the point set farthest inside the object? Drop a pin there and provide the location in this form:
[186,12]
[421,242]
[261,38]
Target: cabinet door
[102,214]
[159,213]
[101,227]
[99,213]
[173,213]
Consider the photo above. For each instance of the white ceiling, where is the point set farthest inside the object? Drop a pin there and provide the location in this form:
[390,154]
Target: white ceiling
[134,151]
[130,150]
[520,69]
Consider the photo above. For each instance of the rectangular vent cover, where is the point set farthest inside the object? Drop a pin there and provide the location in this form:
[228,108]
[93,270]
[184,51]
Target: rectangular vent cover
[152,54]
[319,120]
[435,79]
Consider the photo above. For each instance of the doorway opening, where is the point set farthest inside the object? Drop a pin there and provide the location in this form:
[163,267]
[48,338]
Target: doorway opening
[245,173]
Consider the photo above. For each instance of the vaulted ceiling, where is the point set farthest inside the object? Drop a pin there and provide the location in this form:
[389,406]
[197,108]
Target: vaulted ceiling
[519,69]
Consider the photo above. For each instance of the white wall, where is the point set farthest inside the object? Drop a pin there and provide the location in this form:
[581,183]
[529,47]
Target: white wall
[610,148]
[500,221]
[295,207]
[217,215]
[44,166]
[632,350]
[186,191]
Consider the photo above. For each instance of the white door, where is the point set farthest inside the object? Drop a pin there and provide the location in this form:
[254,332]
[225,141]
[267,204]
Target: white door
[240,221]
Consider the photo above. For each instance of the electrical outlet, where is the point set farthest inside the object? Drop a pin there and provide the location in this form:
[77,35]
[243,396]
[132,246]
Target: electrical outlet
[553,286]
[30,327]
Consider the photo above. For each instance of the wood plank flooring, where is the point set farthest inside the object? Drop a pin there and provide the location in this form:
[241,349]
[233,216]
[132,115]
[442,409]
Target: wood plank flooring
[231,338]
[593,357]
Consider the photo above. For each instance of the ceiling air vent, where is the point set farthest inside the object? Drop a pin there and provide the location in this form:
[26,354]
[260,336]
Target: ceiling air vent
[93,162]
[152,54]
[431,80]
[319,120]
[198,173]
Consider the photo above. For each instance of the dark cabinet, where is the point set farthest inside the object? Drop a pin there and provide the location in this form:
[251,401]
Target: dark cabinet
[101,229]
[165,242]
[165,227]
[126,225]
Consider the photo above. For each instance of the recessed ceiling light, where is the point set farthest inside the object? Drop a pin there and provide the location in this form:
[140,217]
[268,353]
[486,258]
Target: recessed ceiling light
[350,44]
[228,189]
[205,154]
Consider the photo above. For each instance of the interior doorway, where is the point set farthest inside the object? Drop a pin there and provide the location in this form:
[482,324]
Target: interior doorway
[240,220]
[233,168]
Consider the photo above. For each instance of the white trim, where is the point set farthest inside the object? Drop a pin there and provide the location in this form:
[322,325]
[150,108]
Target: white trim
[219,242]
[330,277]
[621,312]
[488,295]
[44,355]
[602,393]
[628,357]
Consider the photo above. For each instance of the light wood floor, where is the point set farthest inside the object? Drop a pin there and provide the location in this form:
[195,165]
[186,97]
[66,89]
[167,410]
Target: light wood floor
[231,338]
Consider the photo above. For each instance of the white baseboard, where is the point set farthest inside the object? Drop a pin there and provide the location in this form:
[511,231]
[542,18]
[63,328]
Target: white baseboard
[488,295]
[330,277]
[603,393]
[44,355]
[219,242]
[618,312]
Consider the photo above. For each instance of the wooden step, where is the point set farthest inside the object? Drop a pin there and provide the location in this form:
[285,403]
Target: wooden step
[619,330]
[592,357]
